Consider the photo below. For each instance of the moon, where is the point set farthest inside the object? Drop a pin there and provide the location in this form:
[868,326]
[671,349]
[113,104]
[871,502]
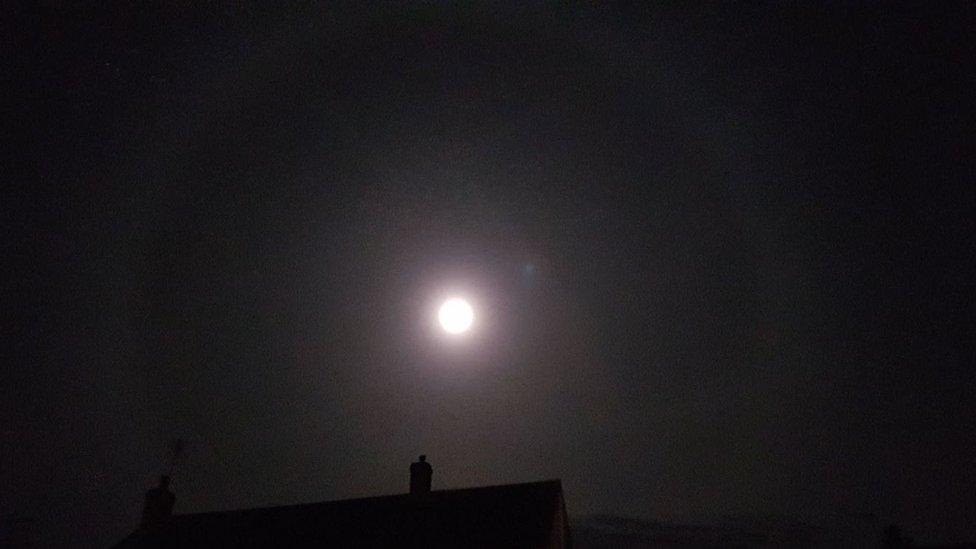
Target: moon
[456,316]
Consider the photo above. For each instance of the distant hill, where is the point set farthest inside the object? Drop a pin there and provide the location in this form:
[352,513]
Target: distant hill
[608,531]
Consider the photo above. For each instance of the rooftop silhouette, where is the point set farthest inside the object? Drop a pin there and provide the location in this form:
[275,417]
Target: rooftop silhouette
[529,515]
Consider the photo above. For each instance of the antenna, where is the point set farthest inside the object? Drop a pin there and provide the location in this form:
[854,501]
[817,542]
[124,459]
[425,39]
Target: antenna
[176,448]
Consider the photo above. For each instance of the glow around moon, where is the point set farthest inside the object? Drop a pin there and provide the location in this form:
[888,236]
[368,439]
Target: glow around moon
[455,316]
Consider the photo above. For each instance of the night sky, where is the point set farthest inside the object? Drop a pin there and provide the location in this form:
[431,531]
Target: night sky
[721,258]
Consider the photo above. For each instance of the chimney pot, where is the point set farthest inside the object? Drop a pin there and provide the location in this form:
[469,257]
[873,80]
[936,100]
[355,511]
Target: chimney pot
[158,510]
[420,475]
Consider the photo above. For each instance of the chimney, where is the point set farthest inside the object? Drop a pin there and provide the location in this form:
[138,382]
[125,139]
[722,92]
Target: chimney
[157,513]
[420,473]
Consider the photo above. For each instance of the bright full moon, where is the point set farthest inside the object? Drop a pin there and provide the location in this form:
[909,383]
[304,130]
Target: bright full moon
[456,316]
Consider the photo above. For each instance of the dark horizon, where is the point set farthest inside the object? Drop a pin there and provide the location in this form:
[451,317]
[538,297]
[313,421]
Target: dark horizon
[721,258]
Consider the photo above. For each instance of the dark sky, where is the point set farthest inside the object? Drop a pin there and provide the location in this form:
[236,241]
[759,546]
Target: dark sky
[722,258]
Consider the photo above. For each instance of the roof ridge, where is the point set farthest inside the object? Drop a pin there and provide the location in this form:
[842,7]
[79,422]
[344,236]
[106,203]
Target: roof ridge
[554,481]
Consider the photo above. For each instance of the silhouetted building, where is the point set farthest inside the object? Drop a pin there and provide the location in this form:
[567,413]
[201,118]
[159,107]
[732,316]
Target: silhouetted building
[531,515]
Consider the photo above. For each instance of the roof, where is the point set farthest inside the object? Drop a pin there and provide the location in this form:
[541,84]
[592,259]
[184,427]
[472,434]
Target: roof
[515,515]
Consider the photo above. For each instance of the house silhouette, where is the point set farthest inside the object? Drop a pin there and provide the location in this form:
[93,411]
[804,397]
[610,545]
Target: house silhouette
[530,515]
